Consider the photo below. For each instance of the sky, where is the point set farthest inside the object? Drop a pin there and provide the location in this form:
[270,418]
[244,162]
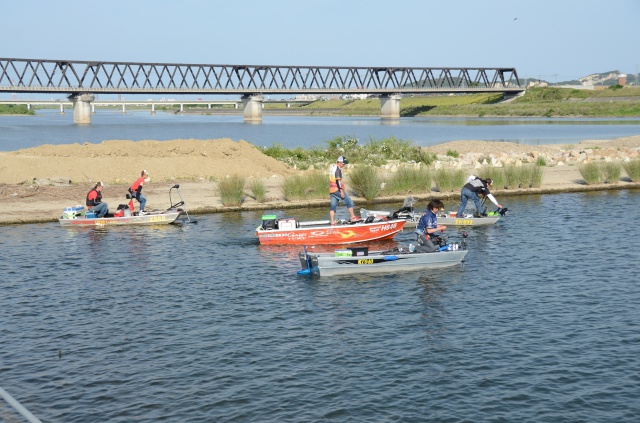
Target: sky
[557,40]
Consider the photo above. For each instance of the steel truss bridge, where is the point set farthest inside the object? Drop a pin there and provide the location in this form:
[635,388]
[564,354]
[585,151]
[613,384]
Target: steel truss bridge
[91,77]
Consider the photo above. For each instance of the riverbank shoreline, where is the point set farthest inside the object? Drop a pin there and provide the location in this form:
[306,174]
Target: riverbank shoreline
[44,204]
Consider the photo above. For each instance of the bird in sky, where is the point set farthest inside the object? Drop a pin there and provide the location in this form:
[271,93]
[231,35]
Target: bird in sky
[515,19]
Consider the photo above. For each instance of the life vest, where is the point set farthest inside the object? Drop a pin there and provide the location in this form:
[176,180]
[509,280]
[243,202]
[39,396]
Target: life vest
[334,181]
[93,200]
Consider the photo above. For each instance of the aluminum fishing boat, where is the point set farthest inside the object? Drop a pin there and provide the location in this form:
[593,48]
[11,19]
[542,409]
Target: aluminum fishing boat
[341,262]
[77,216]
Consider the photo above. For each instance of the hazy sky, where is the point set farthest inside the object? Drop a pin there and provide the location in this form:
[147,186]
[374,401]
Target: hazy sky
[554,40]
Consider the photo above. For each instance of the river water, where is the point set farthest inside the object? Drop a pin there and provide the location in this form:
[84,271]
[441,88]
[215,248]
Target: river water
[49,127]
[199,323]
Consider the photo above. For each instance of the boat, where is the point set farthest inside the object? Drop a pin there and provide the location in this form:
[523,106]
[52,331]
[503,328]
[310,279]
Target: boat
[291,231]
[358,261]
[77,216]
[407,212]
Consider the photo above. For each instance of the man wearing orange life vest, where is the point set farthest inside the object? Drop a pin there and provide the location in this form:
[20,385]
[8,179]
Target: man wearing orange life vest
[338,192]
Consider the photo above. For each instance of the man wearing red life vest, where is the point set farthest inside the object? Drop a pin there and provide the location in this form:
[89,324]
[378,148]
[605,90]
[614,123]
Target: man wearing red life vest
[338,192]
[94,201]
[136,191]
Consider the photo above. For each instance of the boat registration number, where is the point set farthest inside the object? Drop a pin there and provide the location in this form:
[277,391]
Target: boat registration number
[464,222]
[365,261]
[157,218]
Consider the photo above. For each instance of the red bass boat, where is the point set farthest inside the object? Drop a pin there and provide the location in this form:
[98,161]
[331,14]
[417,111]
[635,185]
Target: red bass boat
[291,231]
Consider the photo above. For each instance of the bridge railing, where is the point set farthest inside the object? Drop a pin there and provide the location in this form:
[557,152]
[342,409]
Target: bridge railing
[35,75]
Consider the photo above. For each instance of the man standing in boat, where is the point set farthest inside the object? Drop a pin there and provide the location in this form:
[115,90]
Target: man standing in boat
[470,191]
[136,191]
[338,192]
[94,201]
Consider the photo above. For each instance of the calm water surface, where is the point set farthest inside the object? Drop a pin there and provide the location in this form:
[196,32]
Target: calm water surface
[200,324]
[49,127]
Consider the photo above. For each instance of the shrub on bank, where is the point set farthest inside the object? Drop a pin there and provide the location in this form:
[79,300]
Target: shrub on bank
[258,189]
[448,180]
[305,187]
[611,172]
[408,180]
[365,181]
[633,169]
[231,190]
[590,172]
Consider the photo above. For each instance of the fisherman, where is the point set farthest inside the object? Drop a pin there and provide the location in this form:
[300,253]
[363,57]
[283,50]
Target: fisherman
[470,191]
[94,201]
[136,191]
[338,192]
[428,227]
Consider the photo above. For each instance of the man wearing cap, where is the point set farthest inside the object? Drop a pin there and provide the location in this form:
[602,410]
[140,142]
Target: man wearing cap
[94,201]
[338,192]
[470,191]
[136,190]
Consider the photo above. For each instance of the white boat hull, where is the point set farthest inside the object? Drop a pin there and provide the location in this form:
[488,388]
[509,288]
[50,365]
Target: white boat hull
[327,264]
[153,218]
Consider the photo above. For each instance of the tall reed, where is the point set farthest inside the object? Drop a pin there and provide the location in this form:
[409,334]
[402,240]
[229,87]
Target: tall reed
[231,190]
[306,187]
[365,181]
[409,180]
[633,169]
[447,180]
[590,173]
[258,190]
[611,172]
[537,173]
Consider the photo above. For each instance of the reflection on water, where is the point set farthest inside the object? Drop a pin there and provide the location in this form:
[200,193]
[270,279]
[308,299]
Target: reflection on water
[201,323]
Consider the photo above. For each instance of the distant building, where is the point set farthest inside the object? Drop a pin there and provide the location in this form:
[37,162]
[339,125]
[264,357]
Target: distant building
[622,79]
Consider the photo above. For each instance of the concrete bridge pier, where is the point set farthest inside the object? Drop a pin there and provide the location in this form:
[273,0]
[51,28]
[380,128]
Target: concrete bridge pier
[153,109]
[390,106]
[61,109]
[252,104]
[81,108]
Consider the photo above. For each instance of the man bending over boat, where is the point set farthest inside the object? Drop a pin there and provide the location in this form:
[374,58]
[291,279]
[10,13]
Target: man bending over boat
[94,201]
[136,191]
[428,227]
[338,192]
[470,191]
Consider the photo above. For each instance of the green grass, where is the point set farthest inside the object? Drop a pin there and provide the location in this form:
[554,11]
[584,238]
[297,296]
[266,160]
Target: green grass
[15,109]
[312,185]
[258,189]
[633,169]
[611,172]
[449,180]
[408,180]
[231,190]
[590,172]
[373,152]
[365,181]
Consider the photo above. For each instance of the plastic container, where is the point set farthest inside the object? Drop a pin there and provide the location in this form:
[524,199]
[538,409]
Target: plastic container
[359,251]
[90,215]
[343,253]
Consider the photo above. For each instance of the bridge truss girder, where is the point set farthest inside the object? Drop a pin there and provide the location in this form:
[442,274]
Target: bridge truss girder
[35,75]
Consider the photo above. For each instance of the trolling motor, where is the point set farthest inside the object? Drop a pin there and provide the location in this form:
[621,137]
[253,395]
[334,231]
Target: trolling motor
[179,203]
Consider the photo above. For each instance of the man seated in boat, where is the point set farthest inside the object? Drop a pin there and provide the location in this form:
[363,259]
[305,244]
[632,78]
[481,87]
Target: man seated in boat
[94,201]
[470,191]
[428,227]
[338,192]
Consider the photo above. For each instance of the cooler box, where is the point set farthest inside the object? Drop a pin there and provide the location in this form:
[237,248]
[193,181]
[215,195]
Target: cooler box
[72,212]
[287,223]
[269,221]
[90,215]
[453,213]
[359,251]
[343,253]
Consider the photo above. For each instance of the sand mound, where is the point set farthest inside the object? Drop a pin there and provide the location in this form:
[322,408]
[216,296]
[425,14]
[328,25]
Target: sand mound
[118,161]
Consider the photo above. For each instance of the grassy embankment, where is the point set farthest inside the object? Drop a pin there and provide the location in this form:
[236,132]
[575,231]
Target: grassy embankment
[536,102]
[15,109]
